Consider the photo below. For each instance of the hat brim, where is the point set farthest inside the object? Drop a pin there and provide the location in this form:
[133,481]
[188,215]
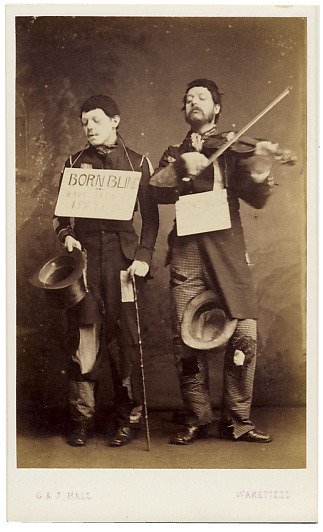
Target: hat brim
[59,272]
[206,298]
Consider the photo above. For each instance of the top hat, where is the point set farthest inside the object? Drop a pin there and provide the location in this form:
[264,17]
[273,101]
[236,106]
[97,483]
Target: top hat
[62,278]
[205,324]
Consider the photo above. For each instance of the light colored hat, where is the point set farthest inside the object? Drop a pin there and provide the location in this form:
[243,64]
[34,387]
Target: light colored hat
[205,324]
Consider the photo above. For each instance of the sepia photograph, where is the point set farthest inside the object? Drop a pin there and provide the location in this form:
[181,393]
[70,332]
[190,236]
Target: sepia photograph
[161,328]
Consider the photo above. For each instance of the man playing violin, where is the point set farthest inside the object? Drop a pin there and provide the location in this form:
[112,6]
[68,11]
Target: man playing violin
[214,260]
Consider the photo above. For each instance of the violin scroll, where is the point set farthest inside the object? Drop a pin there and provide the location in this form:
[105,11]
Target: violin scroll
[266,148]
[286,157]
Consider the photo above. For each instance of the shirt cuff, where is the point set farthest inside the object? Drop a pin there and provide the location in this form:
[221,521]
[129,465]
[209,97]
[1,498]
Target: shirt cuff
[144,255]
[63,233]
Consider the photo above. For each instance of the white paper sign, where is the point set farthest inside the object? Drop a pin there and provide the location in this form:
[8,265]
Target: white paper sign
[95,193]
[127,293]
[203,212]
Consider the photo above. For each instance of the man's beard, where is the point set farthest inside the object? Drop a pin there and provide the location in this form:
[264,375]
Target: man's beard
[197,121]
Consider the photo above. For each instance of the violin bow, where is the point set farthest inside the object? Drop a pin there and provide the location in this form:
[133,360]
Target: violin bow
[242,131]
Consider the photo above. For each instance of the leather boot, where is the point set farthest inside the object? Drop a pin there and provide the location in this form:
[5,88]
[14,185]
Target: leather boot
[124,436]
[79,433]
[189,434]
[81,399]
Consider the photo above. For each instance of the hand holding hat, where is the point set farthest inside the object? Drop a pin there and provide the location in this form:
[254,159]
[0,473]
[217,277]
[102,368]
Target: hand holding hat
[205,324]
[70,243]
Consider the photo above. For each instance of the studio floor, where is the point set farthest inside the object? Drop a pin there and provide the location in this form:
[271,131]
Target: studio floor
[48,449]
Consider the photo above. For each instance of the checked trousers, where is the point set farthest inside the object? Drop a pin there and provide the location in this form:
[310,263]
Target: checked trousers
[188,278]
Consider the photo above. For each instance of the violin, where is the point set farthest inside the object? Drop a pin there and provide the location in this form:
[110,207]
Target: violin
[247,145]
[242,144]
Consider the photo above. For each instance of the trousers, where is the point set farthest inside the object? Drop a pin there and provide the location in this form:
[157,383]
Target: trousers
[189,276]
[102,325]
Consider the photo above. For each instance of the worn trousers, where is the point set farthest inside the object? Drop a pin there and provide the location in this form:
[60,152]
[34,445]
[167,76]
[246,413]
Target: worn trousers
[102,325]
[189,276]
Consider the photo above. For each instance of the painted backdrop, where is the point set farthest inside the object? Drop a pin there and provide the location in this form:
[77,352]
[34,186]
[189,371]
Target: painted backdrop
[145,64]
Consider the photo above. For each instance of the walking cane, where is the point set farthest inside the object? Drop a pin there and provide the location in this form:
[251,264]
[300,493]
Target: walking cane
[141,362]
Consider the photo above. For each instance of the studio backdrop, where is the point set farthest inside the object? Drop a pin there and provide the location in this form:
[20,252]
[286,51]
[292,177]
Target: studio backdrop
[145,63]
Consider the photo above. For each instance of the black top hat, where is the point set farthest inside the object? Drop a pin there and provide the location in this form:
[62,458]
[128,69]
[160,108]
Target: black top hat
[62,278]
[205,324]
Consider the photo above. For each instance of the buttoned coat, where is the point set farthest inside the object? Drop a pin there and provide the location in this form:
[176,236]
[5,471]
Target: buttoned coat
[117,160]
[85,229]
[224,251]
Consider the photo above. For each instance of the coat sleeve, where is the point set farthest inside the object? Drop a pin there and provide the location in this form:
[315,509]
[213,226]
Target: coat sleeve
[246,187]
[63,225]
[149,217]
[165,179]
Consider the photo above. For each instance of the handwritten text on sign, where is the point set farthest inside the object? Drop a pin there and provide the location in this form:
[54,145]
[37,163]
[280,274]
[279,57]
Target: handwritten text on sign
[91,193]
[202,212]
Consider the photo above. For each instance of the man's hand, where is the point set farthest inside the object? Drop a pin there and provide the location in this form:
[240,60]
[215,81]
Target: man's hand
[138,268]
[70,242]
[264,147]
[194,162]
[261,162]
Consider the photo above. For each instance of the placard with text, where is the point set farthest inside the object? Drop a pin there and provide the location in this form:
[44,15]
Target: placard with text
[97,193]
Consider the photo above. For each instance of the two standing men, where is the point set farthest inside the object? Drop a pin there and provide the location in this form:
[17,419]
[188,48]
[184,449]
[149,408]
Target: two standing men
[213,260]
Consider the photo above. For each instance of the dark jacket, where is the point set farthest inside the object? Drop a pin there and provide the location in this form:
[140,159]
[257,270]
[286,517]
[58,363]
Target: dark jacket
[224,251]
[80,227]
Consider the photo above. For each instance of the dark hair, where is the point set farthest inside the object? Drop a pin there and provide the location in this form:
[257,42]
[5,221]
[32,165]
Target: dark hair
[100,101]
[208,84]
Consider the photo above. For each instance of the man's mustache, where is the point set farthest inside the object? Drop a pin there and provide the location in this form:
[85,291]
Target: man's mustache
[190,114]
[195,109]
